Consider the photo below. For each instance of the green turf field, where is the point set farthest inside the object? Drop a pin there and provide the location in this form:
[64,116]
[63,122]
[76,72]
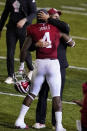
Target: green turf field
[10,105]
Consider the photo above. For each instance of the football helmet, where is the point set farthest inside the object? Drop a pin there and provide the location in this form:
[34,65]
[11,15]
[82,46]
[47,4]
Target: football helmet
[23,85]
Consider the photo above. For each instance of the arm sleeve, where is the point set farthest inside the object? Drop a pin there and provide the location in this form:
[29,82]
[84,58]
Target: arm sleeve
[29,32]
[32,11]
[26,45]
[62,26]
[4,15]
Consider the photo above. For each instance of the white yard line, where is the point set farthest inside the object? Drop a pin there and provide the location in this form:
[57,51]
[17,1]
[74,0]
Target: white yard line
[78,68]
[10,94]
[74,12]
[73,8]
[83,4]
[4,58]
[78,37]
[72,67]
[69,12]
[2,3]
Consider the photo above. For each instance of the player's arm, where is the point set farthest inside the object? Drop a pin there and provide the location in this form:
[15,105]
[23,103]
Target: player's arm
[23,53]
[68,39]
[27,44]
[78,102]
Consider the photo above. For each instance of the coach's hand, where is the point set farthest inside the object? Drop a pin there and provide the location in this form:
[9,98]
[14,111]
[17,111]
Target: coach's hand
[43,16]
[21,23]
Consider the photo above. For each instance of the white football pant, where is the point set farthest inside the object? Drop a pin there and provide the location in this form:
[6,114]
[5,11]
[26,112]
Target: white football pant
[50,69]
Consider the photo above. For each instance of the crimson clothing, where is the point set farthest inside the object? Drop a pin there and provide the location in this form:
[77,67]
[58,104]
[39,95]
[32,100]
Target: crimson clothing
[43,94]
[84,112]
[48,33]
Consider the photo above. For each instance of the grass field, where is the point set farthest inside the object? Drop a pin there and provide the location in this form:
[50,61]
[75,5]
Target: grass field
[10,105]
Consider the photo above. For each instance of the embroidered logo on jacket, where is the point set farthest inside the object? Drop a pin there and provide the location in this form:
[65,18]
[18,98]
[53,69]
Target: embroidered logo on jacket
[16,6]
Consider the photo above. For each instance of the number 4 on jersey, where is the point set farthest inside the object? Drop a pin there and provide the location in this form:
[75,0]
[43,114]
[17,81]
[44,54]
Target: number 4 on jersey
[46,37]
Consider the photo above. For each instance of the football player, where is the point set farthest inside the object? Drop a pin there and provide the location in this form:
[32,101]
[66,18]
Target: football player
[54,19]
[46,65]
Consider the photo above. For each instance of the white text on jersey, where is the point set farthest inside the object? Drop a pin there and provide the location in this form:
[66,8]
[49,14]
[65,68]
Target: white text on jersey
[45,28]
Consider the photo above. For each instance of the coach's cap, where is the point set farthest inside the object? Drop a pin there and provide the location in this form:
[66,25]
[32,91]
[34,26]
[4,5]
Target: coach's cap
[54,11]
[84,87]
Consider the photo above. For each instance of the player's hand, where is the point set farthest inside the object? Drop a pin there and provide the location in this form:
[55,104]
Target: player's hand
[42,43]
[43,16]
[78,102]
[73,43]
[21,23]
